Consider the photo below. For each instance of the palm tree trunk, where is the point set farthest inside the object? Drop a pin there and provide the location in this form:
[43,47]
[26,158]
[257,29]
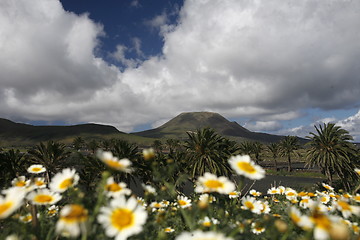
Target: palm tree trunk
[276,167]
[289,166]
[329,176]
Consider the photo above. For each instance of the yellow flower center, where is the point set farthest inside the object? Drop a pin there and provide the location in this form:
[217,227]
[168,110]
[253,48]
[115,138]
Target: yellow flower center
[323,199]
[182,202]
[36,169]
[168,230]
[344,205]
[39,183]
[122,218]
[42,198]
[27,218]
[321,221]
[246,167]
[357,198]
[76,214]
[20,184]
[295,217]
[113,187]
[52,212]
[290,194]
[114,164]
[5,206]
[66,183]
[214,184]
[249,205]
[207,224]
[233,193]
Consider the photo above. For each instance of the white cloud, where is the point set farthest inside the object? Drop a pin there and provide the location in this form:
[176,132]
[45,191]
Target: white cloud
[261,59]
[352,124]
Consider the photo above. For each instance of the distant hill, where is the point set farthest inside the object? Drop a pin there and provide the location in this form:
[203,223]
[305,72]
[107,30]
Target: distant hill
[26,133]
[190,121]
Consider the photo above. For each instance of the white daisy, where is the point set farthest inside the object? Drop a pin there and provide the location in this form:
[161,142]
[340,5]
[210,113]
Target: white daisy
[13,237]
[346,209]
[20,182]
[39,182]
[44,197]
[234,194]
[197,235]
[300,220]
[52,210]
[328,187]
[149,189]
[211,183]
[243,165]
[72,220]
[250,203]
[12,201]
[357,170]
[123,165]
[257,228]
[26,218]
[63,180]
[123,218]
[183,201]
[273,191]
[255,193]
[148,153]
[114,189]
[36,169]
[169,230]
[208,222]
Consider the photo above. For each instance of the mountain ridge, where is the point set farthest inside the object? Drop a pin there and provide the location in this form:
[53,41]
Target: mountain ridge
[191,121]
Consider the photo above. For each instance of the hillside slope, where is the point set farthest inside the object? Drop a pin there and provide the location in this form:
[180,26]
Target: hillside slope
[190,121]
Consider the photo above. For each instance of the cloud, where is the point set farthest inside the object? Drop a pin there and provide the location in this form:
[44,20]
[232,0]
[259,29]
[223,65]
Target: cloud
[352,124]
[263,126]
[265,60]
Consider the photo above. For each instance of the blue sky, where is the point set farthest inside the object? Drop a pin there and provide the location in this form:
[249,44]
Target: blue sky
[273,66]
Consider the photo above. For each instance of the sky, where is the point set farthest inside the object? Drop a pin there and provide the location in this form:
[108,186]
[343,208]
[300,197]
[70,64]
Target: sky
[277,66]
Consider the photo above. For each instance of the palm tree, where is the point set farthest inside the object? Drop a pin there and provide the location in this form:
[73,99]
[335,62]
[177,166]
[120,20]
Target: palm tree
[288,146]
[246,147]
[205,153]
[124,149]
[274,149]
[78,143]
[93,145]
[257,148]
[12,164]
[51,155]
[331,150]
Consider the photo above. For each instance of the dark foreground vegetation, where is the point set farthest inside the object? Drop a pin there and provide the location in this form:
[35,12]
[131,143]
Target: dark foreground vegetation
[169,167]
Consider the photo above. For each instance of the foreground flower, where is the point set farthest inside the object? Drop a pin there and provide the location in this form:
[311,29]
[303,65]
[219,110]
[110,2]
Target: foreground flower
[234,194]
[183,201]
[123,218]
[44,197]
[148,153]
[208,222]
[63,180]
[123,165]
[199,235]
[72,220]
[346,209]
[11,202]
[169,230]
[39,182]
[149,189]
[211,183]
[250,203]
[257,228]
[242,165]
[36,169]
[52,210]
[20,182]
[26,218]
[114,189]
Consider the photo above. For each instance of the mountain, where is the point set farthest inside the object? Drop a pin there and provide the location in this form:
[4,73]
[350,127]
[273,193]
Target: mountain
[190,121]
